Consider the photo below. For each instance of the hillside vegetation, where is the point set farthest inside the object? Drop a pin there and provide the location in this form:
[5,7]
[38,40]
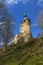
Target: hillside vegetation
[30,53]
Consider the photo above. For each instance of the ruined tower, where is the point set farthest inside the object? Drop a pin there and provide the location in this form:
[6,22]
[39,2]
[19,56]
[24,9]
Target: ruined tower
[25,31]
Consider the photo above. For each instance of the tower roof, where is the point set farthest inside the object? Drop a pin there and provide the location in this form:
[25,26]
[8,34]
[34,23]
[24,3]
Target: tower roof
[25,16]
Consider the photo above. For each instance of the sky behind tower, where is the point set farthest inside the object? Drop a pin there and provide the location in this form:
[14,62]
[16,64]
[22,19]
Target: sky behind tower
[32,8]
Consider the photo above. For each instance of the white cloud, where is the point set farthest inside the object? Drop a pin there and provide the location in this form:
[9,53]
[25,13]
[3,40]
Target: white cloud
[10,2]
[25,1]
[33,25]
[1,23]
[40,2]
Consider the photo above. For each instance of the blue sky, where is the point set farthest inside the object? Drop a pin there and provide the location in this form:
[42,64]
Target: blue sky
[32,8]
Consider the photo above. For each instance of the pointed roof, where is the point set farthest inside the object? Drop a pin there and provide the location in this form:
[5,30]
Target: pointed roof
[25,16]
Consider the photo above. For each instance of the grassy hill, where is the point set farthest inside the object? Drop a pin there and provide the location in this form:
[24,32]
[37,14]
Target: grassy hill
[30,53]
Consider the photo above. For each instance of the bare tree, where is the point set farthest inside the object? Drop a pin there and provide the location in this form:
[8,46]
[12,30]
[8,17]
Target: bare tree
[39,21]
[5,24]
[40,35]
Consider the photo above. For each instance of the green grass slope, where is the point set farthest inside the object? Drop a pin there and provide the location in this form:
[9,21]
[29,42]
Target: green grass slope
[30,53]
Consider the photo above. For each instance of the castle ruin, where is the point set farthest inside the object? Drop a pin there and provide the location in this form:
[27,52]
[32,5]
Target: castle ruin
[25,31]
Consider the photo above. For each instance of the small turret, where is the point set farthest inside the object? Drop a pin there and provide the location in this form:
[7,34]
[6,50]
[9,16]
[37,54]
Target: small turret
[25,28]
[25,16]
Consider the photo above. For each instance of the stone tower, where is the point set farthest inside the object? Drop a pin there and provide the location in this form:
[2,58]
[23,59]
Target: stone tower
[25,28]
[25,32]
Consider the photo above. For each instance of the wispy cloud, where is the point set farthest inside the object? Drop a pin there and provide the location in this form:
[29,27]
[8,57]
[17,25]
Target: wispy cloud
[1,23]
[34,25]
[40,2]
[10,2]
